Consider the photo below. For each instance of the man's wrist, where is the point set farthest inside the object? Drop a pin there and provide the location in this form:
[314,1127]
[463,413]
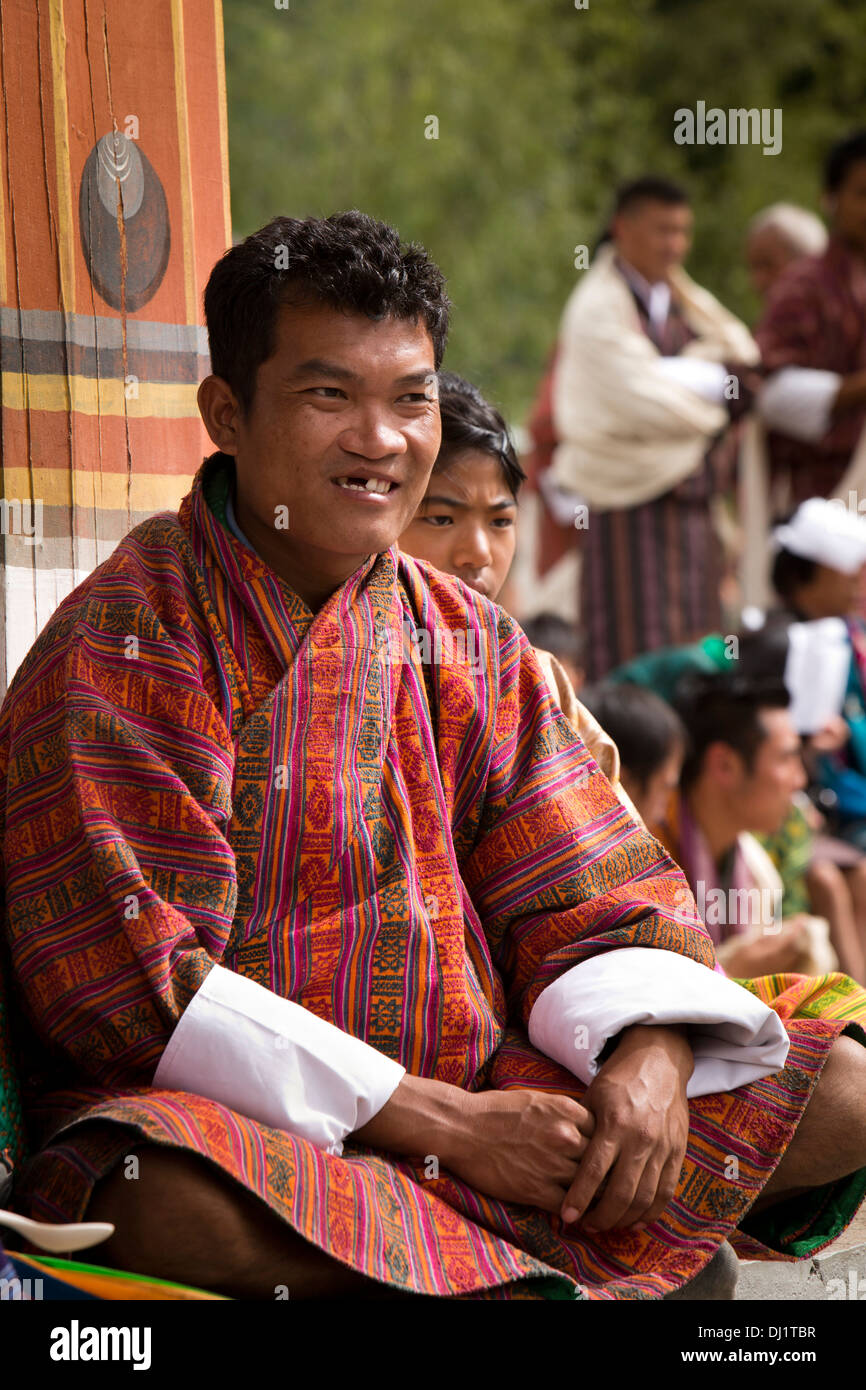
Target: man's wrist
[422,1117]
[672,1039]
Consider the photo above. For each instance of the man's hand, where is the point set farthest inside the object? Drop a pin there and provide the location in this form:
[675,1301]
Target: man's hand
[517,1146]
[781,952]
[641,1115]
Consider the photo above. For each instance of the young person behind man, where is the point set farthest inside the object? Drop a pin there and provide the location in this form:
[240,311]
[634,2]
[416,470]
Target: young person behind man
[467,526]
[310,930]
[649,370]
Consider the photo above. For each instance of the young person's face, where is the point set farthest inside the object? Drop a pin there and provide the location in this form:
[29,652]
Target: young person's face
[342,400]
[654,237]
[847,207]
[466,522]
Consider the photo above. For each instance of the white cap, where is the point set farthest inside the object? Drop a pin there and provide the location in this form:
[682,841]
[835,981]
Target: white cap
[824,530]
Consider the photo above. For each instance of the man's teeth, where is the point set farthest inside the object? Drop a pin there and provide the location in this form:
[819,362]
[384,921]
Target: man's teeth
[371,485]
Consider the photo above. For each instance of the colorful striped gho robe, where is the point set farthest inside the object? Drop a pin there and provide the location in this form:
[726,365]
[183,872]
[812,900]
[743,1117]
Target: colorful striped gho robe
[198,770]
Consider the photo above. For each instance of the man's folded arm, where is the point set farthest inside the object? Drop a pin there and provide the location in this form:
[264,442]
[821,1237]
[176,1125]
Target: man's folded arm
[272,1060]
[735,1038]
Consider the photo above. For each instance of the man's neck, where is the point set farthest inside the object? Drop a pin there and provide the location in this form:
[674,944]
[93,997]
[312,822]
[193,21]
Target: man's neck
[718,827]
[640,277]
[309,573]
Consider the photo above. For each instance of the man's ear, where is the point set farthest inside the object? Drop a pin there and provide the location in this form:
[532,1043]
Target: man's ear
[723,763]
[221,412]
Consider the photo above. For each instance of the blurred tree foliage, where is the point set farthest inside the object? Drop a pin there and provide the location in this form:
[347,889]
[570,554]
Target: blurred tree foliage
[542,109]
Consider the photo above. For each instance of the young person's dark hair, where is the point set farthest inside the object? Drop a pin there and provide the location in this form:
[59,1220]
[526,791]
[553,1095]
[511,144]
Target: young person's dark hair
[789,573]
[726,709]
[349,261]
[842,156]
[471,422]
[556,635]
[644,727]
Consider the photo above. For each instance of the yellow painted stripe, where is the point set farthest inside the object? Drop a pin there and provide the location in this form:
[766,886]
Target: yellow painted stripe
[88,395]
[185,164]
[64,209]
[219,45]
[151,492]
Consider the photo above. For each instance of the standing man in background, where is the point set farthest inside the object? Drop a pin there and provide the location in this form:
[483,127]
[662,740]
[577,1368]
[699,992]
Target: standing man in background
[816,319]
[650,371]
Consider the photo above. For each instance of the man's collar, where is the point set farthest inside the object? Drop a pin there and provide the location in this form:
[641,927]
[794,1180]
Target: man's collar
[655,298]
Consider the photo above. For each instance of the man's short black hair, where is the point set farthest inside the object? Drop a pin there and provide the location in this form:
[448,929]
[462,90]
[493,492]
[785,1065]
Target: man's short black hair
[790,572]
[469,422]
[644,727]
[727,709]
[649,189]
[348,260]
[841,159]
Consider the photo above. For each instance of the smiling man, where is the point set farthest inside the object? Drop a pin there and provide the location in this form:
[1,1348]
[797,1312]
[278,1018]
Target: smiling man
[348,975]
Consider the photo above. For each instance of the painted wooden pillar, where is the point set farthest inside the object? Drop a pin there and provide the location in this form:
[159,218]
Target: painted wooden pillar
[114,205]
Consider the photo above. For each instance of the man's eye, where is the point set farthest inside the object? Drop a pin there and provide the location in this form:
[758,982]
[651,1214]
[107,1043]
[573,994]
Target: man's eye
[440,520]
[503,521]
[416,397]
[329,392]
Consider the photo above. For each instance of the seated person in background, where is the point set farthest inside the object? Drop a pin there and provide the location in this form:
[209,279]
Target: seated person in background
[651,740]
[817,573]
[741,769]
[819,874]
[466,526]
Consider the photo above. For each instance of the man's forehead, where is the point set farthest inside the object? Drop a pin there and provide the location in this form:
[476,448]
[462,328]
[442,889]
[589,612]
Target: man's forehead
[779,726]
[323,333]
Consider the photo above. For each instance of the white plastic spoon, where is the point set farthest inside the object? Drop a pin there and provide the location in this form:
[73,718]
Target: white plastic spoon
[76,1236]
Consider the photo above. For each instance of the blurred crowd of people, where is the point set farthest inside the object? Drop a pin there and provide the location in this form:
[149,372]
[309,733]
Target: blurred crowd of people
[708,480]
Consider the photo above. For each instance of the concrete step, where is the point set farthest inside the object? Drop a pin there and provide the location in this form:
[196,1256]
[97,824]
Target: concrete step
[837,1273]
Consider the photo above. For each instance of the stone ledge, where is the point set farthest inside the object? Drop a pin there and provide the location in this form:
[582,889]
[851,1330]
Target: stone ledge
[837,1273]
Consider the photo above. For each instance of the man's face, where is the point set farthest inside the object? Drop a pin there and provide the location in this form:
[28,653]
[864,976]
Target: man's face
[466,523]
[341,402]
[762,794]
[767,254]
[848,208]
[654,237]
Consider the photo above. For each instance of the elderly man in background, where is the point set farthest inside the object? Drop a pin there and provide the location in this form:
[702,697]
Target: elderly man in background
[650,371]
[778,235]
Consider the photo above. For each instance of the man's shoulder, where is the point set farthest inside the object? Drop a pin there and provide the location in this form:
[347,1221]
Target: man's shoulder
[144,574]
[805,278]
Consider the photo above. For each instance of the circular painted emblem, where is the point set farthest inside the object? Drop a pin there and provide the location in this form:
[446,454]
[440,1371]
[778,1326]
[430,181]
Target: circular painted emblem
[123,217]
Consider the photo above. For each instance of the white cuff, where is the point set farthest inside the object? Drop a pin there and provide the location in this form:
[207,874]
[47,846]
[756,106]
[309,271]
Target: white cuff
[735,1037]
[242,1045]
[797,401]
[706,379]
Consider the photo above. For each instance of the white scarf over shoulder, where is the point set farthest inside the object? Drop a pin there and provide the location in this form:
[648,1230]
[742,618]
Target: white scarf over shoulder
[629,431]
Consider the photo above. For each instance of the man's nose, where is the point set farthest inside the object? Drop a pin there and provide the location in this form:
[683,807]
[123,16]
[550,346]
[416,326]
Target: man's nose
[373,434]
